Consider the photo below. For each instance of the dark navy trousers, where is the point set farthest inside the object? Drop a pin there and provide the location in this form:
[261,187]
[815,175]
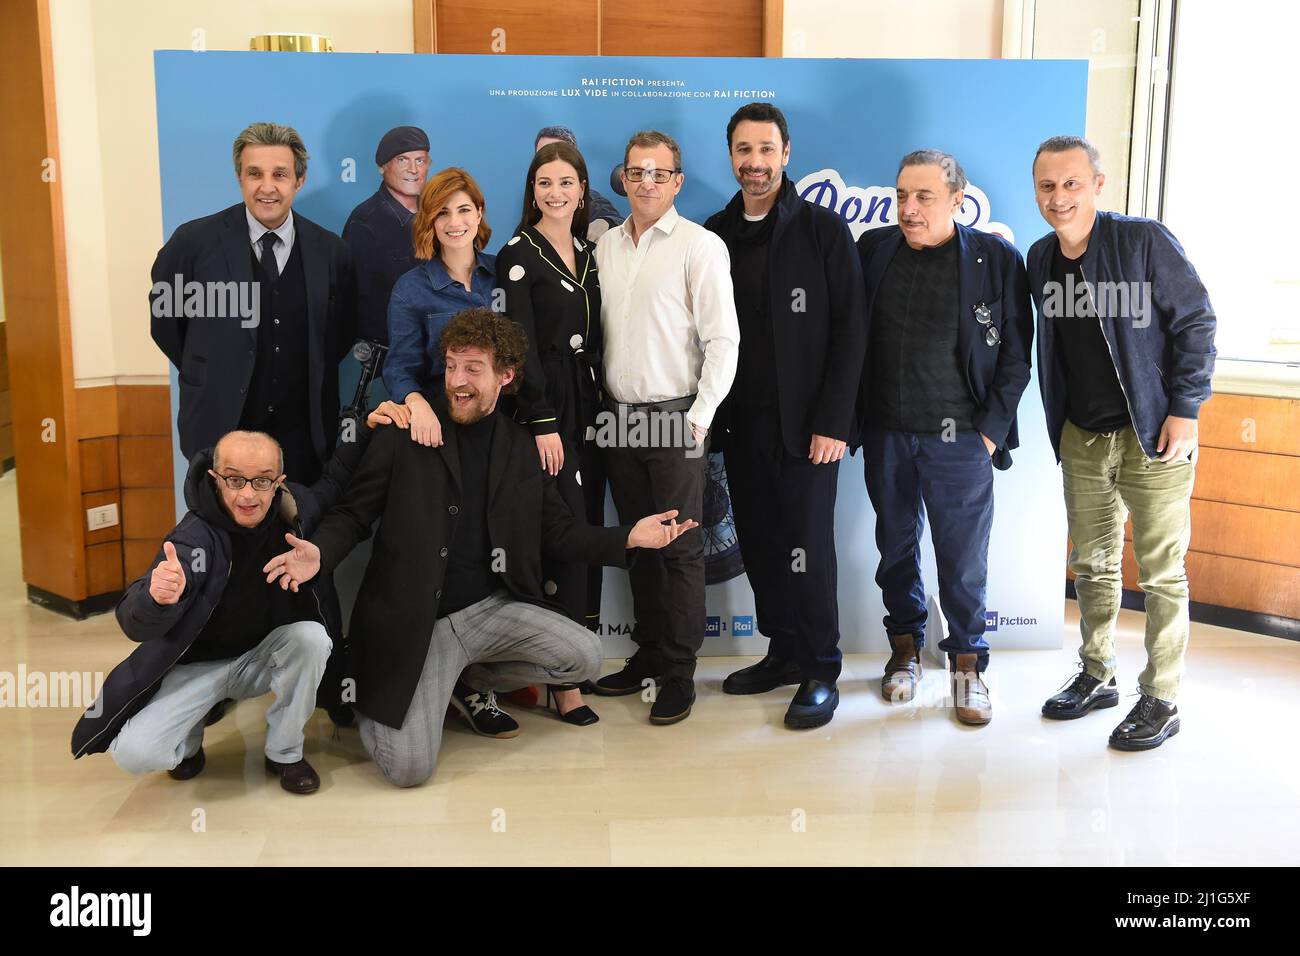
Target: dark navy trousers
[909,475]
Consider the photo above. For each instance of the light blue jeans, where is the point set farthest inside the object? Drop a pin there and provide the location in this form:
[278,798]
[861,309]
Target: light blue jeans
[288,663]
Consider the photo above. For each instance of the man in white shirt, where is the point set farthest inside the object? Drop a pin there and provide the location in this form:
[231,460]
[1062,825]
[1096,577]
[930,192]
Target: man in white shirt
[668,315]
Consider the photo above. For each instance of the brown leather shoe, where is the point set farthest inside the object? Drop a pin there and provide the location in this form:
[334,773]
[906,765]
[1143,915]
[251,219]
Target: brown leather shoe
[902,671]
[295,777]
[970,695]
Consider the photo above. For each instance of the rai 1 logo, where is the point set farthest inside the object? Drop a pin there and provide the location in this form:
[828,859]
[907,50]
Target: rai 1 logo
[713,626]
[872,207]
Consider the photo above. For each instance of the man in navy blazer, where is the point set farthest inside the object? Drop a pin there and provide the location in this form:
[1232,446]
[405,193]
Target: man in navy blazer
[950,328]
[255,306]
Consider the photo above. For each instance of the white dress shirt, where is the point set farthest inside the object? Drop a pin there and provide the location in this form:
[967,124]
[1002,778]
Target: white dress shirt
[668,315]
[282,248]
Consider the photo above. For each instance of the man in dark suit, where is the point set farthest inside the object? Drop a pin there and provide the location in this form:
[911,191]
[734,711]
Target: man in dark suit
[948,358]
[789,417]
[255,306]
[455,581]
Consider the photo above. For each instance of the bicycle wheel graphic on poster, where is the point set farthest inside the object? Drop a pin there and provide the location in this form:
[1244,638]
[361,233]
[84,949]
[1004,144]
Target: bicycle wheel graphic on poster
[722,560]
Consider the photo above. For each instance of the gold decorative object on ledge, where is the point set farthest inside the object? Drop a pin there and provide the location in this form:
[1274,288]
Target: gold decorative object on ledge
[292,43]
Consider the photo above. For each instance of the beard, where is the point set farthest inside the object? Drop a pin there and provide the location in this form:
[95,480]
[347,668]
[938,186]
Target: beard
[468,412]
[760,187]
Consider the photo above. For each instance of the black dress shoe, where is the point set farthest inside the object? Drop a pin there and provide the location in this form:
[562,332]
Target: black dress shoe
[189,767]
[581,716]
[217,711]
[1081,695]
[297,777]
[1147,726]
[768,674]
[636,670]
[813,705]
[480,709]
[673,702]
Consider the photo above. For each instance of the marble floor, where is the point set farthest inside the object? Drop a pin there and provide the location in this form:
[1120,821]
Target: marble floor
[881,785]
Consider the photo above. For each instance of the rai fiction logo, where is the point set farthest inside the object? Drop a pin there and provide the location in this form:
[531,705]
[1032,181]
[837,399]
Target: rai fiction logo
[992,621]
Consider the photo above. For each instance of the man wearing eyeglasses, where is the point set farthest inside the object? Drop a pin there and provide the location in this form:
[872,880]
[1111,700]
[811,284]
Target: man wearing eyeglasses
[210,627]
[671,343]
[947,361]
[378,234]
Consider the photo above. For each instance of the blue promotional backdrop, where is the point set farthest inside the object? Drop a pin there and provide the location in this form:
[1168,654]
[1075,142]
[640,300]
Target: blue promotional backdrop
[850,121]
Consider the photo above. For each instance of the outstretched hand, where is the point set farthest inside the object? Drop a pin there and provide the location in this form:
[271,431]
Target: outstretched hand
[659,531]
[293,567]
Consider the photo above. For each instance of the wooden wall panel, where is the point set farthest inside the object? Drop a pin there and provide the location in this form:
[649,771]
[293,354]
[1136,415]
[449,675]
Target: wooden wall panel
[561,27]
[99,464]
[147,513]
[146,461]
[1247,478]
[1232,582]
[137,556]
[96,411]
[1251,423]
[104,567]
[144,410]
[38,326]
[683,28]
[1245,546]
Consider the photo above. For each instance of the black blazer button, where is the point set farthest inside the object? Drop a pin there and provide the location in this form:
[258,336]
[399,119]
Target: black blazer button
[437,594]
[442,553]
[453,510]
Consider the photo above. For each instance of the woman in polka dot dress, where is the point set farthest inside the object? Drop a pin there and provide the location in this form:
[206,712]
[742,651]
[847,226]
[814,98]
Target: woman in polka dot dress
[547,271]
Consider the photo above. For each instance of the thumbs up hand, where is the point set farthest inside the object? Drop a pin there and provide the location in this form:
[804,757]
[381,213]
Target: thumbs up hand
[167,583]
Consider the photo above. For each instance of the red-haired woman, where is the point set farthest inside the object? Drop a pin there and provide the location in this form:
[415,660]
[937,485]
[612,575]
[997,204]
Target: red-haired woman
[450,232]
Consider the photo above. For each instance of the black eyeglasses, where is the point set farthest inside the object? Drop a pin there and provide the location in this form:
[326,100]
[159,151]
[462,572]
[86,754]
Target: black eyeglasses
[237,482]
[635,174]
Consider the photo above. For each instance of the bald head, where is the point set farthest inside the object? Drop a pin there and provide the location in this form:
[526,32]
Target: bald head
[247,455]
[245,443]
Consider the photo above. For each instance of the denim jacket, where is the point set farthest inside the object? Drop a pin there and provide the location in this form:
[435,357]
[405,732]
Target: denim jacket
[422,303]
[1155,315]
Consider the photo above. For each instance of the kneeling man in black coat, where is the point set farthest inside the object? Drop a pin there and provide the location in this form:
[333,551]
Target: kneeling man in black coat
[209,626]
[455,581]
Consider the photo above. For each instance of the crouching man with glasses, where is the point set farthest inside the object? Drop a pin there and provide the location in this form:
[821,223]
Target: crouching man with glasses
[210,627]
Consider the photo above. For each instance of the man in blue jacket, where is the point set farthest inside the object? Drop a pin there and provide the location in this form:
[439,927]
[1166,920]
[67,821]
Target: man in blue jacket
[947,360]
[1125,357]
[210,627]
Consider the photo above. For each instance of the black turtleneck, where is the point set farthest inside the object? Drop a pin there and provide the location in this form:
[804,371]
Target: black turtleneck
[470,577]
[249,608]
[748,246]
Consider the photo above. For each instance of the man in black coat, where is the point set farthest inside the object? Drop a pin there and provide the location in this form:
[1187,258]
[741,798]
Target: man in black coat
[947,361]
[211,628]
[455,581]
[255,306]
[789,417]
